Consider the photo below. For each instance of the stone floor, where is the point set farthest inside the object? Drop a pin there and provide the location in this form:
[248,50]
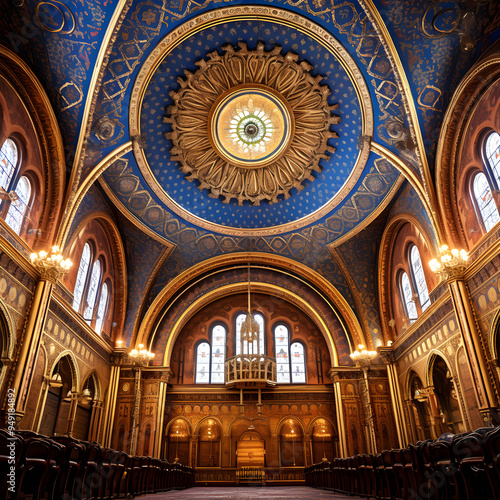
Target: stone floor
[249,493]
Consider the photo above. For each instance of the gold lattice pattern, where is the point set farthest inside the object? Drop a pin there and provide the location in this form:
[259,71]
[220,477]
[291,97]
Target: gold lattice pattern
[250,124]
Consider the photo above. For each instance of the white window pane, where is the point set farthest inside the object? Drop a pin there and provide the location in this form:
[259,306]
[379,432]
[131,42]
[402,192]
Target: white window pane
[493,154]
[218,354]
[411,309]
[17,209]
[103,302]
[203,364]
[95,279]
[8,162]
[282,354]
[419,276]
[485,202]
[81,277]
[239,322]
[262,339]
[298,363]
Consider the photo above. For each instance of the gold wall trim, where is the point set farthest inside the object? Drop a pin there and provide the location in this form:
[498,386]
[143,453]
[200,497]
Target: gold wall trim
[236,288]
[431,209]
[85,186]
[399,72]
[347,317]
[262,13]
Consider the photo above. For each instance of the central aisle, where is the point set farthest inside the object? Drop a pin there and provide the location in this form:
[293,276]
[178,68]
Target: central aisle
[250,493]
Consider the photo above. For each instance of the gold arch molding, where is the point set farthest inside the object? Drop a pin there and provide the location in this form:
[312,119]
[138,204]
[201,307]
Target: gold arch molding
[309,277]
[261,13]
[236,288]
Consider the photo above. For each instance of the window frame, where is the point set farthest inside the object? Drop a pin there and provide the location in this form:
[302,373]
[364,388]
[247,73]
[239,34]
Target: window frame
[197,347]
[291,342]
[413,277]
[237,336]
[27,205]
[212,328]
[402,273]
[477,208]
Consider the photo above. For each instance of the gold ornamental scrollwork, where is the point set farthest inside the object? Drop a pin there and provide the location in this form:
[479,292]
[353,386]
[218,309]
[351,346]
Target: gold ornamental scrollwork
[251,125]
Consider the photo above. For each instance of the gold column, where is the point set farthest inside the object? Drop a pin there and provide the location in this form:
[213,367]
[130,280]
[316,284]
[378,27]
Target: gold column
[369,413]
[50,272]
[387,355]
[119,356]
[339,411]
[134,431]
[95,420]
[488,405]
[72,413]
[160,412]
[451,266]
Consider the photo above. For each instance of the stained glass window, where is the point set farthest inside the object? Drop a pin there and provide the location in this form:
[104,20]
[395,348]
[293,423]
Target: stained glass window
[260,321]
[101,310]
[411,309]
[81,277]
[218,354]
[95,280]
[492,149]
[485,202]
[298,363]
[203,363]
[8,163]
[419,278]
[282,354]
[17,209]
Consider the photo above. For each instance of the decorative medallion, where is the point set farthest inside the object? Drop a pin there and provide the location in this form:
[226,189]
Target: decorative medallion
[250,124]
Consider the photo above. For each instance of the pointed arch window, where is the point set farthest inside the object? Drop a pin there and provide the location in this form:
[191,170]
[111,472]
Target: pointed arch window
[81,278]
[218,354]
[406,292]
[9,157]
[484,200]
[262,340]
[298,363]
[103,305]
[419,278]
[202,363]
[18,208]
[492,150]
[95,279]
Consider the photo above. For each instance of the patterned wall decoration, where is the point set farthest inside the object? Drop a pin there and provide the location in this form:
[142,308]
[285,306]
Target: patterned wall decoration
[438,42]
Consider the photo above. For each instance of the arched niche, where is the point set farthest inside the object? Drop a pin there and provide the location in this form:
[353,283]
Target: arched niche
[178,437]
[209,443]
[291,443]
[86,410]
[61,387]
[324,440]
[447,399]
[419,408]
[250,442]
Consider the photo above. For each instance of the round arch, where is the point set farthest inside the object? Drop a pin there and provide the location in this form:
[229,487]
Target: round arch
[119,261]
[384,266]
[73,363]
[259,288]
[144,332]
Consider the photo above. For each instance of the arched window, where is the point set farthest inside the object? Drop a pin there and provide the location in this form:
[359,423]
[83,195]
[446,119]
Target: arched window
[95,279]
[17,209]
[8,163]
[282,354]
[262,338]
[419,278]
[484,201]
[101,310]
[81,278]
[286,364]
[407,294]
[492,150]
[203,363]
[298,363]
[218,354]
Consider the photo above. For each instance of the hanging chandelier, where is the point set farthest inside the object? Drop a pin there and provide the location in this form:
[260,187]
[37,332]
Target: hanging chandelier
[250,329]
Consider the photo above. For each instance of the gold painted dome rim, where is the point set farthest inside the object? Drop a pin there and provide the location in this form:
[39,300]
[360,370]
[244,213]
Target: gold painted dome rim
[222,101]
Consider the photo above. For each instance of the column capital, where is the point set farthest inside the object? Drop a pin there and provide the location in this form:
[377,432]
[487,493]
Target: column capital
[387,354]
